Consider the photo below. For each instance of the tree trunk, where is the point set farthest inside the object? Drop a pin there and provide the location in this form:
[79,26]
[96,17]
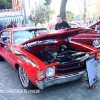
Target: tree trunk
[63,9]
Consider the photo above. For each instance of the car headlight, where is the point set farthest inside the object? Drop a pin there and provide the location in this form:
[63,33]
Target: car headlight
[50,71]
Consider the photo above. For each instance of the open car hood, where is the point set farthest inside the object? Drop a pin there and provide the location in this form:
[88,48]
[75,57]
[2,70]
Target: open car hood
[60,34]
[92,26]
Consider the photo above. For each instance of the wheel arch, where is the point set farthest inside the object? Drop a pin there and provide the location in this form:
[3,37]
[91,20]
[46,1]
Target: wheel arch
[16,66]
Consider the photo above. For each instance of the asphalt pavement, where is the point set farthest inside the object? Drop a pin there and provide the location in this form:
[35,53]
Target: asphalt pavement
[76,90]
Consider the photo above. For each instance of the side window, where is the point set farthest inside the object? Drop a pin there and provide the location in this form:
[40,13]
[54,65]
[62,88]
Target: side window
[5,37]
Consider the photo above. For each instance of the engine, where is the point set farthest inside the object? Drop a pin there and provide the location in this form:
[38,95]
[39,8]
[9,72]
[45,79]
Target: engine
[61,54]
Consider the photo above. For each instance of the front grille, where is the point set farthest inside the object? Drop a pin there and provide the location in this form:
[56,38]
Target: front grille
[70,68]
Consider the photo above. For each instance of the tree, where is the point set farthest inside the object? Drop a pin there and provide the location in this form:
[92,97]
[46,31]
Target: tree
[78,16]
[41,15]
[47,2]
[63,9]
[97,9]
[69,16]
[10,3]
[5,4]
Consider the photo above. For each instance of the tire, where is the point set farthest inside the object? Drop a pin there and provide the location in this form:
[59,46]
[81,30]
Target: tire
[96,43]
[26,83]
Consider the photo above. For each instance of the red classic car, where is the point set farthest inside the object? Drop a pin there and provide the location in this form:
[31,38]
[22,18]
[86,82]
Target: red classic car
[94,25]
[91,37]
[71,24]
[45,60]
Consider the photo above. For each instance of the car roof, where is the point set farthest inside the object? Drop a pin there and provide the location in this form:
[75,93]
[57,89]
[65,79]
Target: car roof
[23,28]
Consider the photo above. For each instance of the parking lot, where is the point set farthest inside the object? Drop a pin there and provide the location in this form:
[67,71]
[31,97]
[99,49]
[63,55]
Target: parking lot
[76,90]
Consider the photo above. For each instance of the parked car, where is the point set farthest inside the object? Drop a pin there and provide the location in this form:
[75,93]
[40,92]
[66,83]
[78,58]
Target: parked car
[74,25]
[71,24]
[93,25]
[92,37]
[45,60]
[51,27]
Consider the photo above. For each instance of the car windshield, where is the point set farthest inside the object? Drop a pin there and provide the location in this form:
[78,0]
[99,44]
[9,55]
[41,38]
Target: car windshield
[21,36]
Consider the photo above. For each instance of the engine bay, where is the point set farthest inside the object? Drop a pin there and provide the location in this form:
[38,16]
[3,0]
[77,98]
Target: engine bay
[62,54]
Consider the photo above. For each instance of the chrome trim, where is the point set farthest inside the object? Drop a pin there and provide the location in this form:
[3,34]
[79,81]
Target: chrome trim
[59,80]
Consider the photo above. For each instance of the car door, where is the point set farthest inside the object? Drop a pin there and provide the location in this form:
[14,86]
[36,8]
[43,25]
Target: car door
[5,44]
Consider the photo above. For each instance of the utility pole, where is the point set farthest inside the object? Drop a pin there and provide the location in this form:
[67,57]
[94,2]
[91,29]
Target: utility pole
[84,17]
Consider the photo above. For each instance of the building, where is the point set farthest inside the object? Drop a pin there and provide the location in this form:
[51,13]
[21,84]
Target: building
[28,5]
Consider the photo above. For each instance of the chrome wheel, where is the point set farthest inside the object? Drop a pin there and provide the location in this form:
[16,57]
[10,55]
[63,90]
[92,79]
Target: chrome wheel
[96,43]
[23,77]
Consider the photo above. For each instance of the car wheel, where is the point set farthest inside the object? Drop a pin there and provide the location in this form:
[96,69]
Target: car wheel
[26,83]
[96,43]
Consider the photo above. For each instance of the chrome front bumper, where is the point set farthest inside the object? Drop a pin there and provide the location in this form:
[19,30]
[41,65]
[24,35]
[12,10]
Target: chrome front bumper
[59,80]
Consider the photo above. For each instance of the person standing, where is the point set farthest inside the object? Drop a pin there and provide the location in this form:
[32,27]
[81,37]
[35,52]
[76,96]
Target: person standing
[10,25]
[61,24]
[1,27]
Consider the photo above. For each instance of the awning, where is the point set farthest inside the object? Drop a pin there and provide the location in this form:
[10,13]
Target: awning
[11,19]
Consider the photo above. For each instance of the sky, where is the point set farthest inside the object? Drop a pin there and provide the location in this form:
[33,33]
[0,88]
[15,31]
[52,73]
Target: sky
[76,6]
[72,5]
